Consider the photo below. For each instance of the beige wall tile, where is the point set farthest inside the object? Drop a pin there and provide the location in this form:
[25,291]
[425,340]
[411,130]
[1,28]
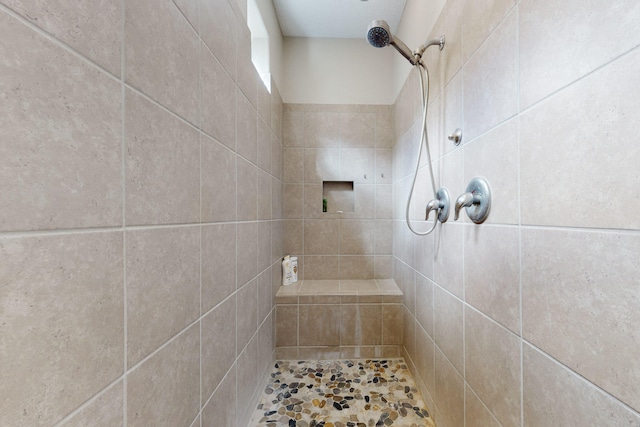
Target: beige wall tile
[247,190]
[293,237]
[449,393]
[264,195]
[599,111]
[357,130]
[221,409]
[321,165]
[96,34]
[382,267]
[384,201]
[554,395]
[321,237]
[409,288]
[361,324]
[492,366]
[264,295]
[191,10]
[319,325]
[61,142]
[276,110]
[424,253]
[357,267]
[105,411]
[491,80]
[63,330]
[480,20]
[357,165]
[448,327]
[293,165]
[384,130]
[219,95]
[286,325]
[424,303]
[293,129]
[578,34]
[218,263]
[247,375]
[264,245]
[321,129]
[579,299]
[448,267]
[492,157]
[476,413]
[293,201]
[163,286]
[247,76]
[164,390]
[492,273]
[162,165]
[248,313]
[383,236]
[277,156]
[409,333]
[247,254]
[321,267]
[320,353]
[247,129]
[425,357]
[392,322]
[162,56]
[266,347]
[218,344]
[357,237]
[218,181]
[264,145]
[220,32]
[264,104]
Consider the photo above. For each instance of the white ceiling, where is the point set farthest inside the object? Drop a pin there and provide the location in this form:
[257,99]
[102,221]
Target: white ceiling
[335,18]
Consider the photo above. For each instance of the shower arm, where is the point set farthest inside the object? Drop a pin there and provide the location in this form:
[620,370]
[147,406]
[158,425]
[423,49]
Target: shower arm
[420,51]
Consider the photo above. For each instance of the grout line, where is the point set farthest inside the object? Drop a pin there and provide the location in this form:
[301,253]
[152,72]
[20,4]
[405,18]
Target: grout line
[125,395]
[519,203]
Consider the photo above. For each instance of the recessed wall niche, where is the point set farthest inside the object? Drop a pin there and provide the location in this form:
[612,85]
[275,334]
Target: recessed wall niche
[338,195]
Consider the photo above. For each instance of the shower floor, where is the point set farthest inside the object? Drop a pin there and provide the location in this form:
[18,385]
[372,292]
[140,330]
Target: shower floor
[341,393]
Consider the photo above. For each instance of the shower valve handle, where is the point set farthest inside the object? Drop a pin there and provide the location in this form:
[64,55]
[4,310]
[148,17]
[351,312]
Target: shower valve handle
[433,205]
[440,205]
[465,200]
[477,200]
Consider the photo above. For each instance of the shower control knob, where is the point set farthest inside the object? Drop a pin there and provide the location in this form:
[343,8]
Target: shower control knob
[440,205]
[476,201]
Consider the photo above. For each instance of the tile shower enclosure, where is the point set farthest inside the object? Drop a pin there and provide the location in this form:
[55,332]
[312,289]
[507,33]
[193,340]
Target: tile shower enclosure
[143,213]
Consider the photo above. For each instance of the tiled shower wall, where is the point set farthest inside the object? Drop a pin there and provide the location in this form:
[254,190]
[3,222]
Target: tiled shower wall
[338,143]
[530,319]
[141,214]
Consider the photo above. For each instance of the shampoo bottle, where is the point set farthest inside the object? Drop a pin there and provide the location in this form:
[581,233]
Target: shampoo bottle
[287,271]
[294,269]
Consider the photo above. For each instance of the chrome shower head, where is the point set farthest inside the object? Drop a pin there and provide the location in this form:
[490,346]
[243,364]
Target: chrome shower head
[379,34]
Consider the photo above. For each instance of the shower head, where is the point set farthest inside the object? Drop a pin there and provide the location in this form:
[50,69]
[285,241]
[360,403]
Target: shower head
[379,35]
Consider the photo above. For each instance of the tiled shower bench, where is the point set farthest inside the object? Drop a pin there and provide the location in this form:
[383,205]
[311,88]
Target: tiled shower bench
[332,319]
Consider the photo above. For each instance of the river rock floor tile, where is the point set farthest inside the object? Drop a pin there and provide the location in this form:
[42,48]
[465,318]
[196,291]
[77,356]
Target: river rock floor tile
[341,393]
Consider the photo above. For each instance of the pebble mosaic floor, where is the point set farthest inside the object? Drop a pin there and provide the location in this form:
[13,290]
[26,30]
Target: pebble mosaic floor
[341,393]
